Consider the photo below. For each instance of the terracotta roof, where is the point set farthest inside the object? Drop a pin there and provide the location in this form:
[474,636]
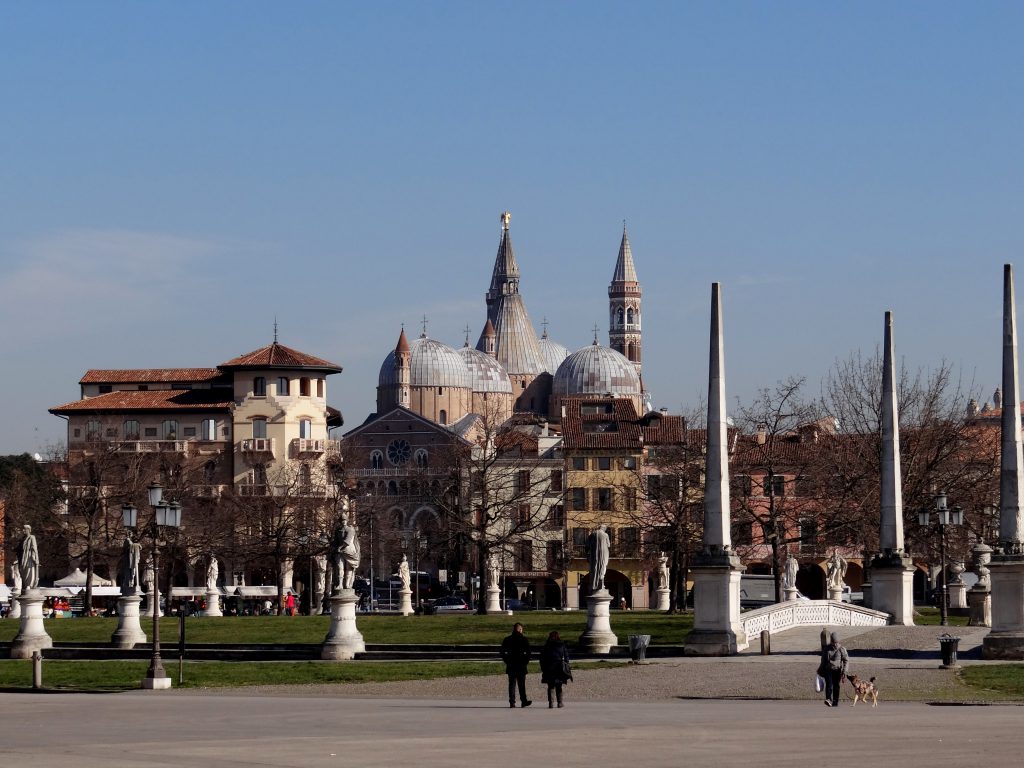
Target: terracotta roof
[664,429]
[279,356]
[150,400]
[148,375]
[619,428]
[403,343]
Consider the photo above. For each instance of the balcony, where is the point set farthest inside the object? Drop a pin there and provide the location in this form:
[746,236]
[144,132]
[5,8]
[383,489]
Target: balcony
[206,491]
[404,471]
[257,446]
[303,447]
[151,446]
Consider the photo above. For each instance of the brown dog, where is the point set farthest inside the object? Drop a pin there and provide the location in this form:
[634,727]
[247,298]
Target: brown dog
[863,690]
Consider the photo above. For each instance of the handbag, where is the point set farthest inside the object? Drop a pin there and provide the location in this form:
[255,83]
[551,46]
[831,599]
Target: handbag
[819,683]
[566,670]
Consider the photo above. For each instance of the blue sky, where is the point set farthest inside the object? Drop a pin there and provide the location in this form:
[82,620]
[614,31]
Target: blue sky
[174,176]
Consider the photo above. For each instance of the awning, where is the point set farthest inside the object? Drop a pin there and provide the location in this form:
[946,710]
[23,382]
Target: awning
[264,591]
[77,579]
[189,591]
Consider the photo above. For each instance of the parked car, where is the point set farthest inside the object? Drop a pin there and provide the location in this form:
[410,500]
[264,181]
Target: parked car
[444,604]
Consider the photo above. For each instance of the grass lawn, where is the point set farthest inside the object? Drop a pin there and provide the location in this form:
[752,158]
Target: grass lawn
[451,629]
[125,675]
[1001,681]
[928,614]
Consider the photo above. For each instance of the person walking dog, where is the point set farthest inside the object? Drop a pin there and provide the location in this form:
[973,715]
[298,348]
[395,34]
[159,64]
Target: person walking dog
[835,661]
[515,652]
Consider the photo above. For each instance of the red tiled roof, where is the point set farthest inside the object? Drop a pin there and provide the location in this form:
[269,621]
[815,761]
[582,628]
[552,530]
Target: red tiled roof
[279,356]
[618,429]
[148,375]
[150,400]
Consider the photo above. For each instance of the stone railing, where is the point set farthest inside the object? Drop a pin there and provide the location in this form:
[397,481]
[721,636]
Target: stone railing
[809,613]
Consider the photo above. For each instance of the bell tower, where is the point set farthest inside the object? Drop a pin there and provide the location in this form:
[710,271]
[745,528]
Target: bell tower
[624,303]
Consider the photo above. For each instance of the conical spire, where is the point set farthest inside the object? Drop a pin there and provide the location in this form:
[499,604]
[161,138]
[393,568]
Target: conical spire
[624,269]
[403,343]
[505,277]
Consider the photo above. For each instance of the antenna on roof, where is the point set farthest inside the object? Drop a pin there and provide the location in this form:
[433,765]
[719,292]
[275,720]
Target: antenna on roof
[424,327]
[275,329]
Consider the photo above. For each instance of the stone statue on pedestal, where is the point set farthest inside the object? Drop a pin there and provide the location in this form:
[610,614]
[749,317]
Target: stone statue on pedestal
[131,553]
[598,546]
[836,571]
[28,560]
[345,550]
[792,566]
[16,577]
[403,572]
[493,571]
[212,572]
[663,575]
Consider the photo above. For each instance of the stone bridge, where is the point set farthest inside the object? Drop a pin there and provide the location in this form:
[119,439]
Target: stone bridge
[809,613]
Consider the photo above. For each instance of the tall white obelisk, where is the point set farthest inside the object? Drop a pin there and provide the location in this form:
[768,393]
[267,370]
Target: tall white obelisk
[892,571]
[1006,640]
[716,571]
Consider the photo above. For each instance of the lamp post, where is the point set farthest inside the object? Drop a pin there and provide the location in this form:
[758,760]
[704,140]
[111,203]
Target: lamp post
[165,514]
[947,516]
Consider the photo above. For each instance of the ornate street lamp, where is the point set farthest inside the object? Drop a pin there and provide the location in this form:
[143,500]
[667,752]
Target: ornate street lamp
[165,515]
[947,516]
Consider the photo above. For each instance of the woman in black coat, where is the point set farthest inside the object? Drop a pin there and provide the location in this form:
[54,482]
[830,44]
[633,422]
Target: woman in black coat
[554,667]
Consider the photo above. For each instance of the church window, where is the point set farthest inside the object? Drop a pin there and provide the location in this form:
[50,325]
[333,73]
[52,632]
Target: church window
[259,387]
[377,460]
[442,417]
[629,316]
[440,390]
[421,457]
[618,317]
[399,452]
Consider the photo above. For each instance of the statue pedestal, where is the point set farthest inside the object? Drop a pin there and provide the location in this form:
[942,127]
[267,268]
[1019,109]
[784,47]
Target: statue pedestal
[598,636]
[716,607]
[405,601]
[493,599]
[957,595]
[1006,640]
[892,588]
[835,594]
[213,603]
[980,601]
[129,630]
[663,600]
[148,610]
[31,635]
[789,593]
[343,640]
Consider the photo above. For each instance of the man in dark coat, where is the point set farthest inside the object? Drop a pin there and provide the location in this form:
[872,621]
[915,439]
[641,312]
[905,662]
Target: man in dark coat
[515,652]
[835,662]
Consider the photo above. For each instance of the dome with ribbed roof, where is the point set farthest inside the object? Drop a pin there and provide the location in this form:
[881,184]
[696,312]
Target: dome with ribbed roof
[485,372]
[432,364]
[596,370]
[552,353]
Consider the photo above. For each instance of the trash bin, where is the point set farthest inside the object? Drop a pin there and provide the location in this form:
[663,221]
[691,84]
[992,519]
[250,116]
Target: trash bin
[948,646]
[638,646]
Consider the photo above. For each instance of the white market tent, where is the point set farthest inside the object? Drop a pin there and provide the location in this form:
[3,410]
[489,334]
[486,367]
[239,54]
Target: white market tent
[74,582]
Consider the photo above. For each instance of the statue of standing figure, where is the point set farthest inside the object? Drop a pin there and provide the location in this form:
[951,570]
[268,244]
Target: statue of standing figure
[663,576]
[835,572]
[131,554]
[28,560]
[493,571]
[792,566]
[345,549]
[16,577]
[598,546]
[403,573]
[212,572]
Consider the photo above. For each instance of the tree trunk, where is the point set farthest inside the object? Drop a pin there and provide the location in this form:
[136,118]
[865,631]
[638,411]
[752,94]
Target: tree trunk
[90,554]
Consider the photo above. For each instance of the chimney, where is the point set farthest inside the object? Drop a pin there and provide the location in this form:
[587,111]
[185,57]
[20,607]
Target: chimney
[762,434]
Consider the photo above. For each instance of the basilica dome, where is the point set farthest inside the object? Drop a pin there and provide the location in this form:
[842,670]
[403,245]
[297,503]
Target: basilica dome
[596,370]
[552,353]
[431,364]
[486,375]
